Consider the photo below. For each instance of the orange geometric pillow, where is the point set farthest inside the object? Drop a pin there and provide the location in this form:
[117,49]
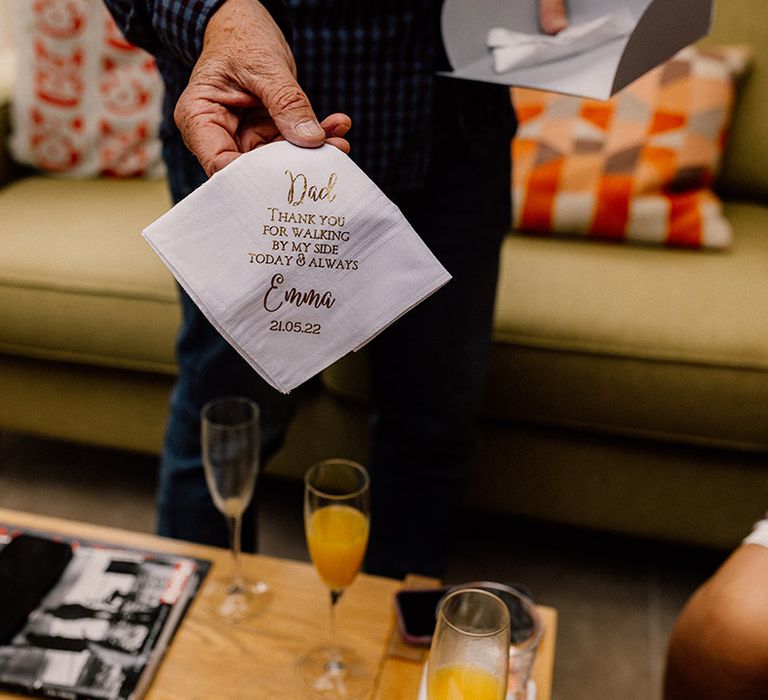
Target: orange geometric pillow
[638,167]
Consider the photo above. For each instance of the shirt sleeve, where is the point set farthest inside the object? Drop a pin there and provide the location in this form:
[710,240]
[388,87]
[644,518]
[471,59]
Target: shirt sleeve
[175,27]
[759,534]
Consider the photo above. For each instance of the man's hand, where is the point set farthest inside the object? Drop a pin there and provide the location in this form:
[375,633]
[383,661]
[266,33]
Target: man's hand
[243,91]
[553,17]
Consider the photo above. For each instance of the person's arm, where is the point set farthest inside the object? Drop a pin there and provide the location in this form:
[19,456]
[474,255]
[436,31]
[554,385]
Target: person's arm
[176,27]
[133,20]
[719,645]
[242,92]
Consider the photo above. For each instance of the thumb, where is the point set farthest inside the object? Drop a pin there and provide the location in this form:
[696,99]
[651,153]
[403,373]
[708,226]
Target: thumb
[289,108]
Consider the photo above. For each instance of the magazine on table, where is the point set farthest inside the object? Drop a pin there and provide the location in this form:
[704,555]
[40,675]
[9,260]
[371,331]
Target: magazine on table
[102,628]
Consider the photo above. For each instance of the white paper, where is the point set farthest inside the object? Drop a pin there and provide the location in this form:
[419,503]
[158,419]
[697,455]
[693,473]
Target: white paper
[296,257]
[514,49]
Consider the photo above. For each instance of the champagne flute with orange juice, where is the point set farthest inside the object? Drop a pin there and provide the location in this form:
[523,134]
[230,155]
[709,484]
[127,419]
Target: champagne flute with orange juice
[469,656]
[336,514]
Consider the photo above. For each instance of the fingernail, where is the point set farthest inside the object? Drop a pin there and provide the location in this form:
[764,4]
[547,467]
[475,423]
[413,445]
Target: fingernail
[560,24]
[309,128]
[555,25]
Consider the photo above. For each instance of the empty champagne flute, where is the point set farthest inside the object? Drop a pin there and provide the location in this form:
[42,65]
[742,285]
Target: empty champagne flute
[526,630]
[469,656]
[336,514]
[231,440]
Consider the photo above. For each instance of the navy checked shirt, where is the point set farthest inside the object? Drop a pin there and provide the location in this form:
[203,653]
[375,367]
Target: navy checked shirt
[372,59]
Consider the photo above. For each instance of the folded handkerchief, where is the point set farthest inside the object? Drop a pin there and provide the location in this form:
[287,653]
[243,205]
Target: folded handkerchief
[512,49]
[296,257]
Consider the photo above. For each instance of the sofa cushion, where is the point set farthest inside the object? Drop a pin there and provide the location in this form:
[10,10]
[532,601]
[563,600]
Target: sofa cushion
[639,341]
[638,167]
[77,280]
[745,170]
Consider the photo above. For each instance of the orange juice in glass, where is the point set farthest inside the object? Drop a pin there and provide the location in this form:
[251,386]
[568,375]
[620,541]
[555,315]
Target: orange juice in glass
[465,682]
[336,514]
[336,537]
[469,656]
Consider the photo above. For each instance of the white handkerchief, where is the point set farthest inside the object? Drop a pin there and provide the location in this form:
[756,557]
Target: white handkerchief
[296,257]
[512,49]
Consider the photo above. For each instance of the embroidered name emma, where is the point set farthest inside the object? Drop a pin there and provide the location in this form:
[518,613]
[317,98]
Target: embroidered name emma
[294,296]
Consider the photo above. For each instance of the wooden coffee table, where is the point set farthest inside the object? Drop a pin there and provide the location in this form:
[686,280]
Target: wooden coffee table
[210,660]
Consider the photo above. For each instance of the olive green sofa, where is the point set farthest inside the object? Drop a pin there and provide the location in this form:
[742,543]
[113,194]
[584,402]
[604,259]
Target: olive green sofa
[628,389]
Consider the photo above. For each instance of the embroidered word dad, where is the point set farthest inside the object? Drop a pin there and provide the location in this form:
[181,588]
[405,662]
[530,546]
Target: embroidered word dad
[300,189]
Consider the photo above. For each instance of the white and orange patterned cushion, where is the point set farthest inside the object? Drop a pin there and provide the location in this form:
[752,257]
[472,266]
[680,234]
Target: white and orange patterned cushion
[86,102]
[638,167]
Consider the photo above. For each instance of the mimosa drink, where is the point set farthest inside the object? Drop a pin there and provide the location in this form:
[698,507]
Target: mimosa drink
[337,536]
[336,508]
[464,682]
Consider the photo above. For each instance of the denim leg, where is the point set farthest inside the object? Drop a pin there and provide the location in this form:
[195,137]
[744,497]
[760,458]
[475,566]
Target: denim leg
[208,367]
[427,376]
[428,369]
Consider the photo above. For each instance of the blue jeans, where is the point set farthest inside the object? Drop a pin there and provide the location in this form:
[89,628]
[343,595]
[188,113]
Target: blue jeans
[427,370]
[208,367]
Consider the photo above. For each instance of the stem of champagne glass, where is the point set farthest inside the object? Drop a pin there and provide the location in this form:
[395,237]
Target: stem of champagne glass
[234,524]
[335,661]
[517,681]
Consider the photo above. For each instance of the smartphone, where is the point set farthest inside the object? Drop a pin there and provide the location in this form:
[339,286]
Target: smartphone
[29,567]
[416,611]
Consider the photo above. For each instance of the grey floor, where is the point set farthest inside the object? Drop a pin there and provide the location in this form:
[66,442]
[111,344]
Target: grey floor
[617,598]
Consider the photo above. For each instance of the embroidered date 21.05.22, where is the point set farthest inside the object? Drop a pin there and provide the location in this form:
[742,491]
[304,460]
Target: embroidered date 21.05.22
[295,327]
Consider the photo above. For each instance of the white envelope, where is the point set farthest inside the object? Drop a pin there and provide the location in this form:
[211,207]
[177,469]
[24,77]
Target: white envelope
[296,257]
[661,29]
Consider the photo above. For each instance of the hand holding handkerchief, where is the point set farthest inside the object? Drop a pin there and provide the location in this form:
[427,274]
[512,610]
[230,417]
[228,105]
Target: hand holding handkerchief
[296,257]
[513,49]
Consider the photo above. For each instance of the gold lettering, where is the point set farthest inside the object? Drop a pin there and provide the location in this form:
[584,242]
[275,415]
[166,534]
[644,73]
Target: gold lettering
[299,188]
[277,280]
[294,196]
[295,297]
